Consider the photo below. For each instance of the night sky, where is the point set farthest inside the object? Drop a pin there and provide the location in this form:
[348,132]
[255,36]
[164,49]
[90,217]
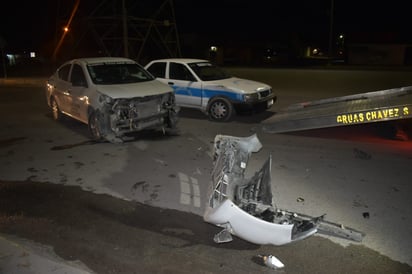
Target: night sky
[32,24]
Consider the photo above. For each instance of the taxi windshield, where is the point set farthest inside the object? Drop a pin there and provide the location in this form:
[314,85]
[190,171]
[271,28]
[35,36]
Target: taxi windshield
[209,72]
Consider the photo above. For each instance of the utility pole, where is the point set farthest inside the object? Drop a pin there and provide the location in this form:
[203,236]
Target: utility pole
[144,29]
[2,46]
[331,31]
[125,32]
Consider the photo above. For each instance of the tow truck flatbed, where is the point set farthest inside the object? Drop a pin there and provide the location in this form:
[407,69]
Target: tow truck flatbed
[369,107]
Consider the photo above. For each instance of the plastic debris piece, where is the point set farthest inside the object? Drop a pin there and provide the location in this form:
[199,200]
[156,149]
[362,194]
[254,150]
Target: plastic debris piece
[365,215]
[272,262]
[300,199]
[223,236]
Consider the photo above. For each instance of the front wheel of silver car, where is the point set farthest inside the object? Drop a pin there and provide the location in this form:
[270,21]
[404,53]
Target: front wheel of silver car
[57,115]
[95,126]
[220,109]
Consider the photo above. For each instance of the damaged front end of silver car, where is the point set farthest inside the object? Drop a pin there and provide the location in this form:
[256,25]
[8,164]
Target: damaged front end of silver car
[129,115]
[120,117]
[244,206]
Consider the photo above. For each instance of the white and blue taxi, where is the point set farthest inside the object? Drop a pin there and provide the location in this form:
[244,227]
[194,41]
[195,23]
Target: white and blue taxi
[202,85]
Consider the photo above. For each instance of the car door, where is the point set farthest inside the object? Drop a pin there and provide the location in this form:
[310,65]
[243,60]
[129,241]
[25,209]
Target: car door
[78,93]
[188,90]
[158,70]
[61,84]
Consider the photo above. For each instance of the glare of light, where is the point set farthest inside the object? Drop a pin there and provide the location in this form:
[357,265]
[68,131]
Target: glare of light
[32,54]
[315,51]
[341,36]
[85,99]
[11,58]
[66,29]
[213,48]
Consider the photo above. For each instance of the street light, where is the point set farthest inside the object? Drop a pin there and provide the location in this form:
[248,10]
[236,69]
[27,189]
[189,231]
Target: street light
[66,29]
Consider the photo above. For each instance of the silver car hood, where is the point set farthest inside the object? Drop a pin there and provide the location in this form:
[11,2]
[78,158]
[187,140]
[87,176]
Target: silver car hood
[133,90]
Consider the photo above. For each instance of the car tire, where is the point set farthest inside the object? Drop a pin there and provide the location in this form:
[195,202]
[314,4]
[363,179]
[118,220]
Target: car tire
[220,109]
[56,113]
[94,126]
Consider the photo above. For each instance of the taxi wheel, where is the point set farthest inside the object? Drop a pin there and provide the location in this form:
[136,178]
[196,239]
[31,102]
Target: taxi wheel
[220,109]
[57,115]
[94,126]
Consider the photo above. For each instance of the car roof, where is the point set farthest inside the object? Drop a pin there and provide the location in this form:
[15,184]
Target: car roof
[96,60]
[181,60]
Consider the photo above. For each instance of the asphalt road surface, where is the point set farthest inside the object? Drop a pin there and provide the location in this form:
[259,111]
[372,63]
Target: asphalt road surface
[136,207]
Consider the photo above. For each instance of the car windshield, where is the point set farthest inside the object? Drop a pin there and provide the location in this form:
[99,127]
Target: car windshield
[208,72]
[118,73]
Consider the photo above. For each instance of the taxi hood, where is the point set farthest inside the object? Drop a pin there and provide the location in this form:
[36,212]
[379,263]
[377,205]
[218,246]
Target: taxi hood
[237,84]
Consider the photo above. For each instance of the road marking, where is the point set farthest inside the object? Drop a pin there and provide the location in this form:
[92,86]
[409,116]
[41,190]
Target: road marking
[189,190]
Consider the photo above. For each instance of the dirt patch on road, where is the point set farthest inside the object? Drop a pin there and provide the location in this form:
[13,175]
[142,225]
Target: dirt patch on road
[111,235]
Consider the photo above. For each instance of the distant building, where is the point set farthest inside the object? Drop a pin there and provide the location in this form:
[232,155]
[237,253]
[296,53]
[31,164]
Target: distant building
[379,54]
[379,48]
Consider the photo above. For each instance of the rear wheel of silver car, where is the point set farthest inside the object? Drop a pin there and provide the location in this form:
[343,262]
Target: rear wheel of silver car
[94,126]
[57,115]
[220,109]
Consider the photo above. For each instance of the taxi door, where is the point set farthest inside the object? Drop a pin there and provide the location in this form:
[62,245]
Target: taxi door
[188,91]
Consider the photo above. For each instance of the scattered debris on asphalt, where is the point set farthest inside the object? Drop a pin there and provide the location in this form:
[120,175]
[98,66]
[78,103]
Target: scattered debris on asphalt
[271,261]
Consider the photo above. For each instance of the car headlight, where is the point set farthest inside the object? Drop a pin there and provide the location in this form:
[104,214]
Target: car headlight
[251,97]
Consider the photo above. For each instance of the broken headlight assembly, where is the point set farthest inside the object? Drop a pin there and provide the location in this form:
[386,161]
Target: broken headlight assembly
[168,100]
[105,99]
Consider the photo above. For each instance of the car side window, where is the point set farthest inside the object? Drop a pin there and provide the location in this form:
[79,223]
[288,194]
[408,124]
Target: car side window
[77,76]
[158,69]
[64,72]
[180,72]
